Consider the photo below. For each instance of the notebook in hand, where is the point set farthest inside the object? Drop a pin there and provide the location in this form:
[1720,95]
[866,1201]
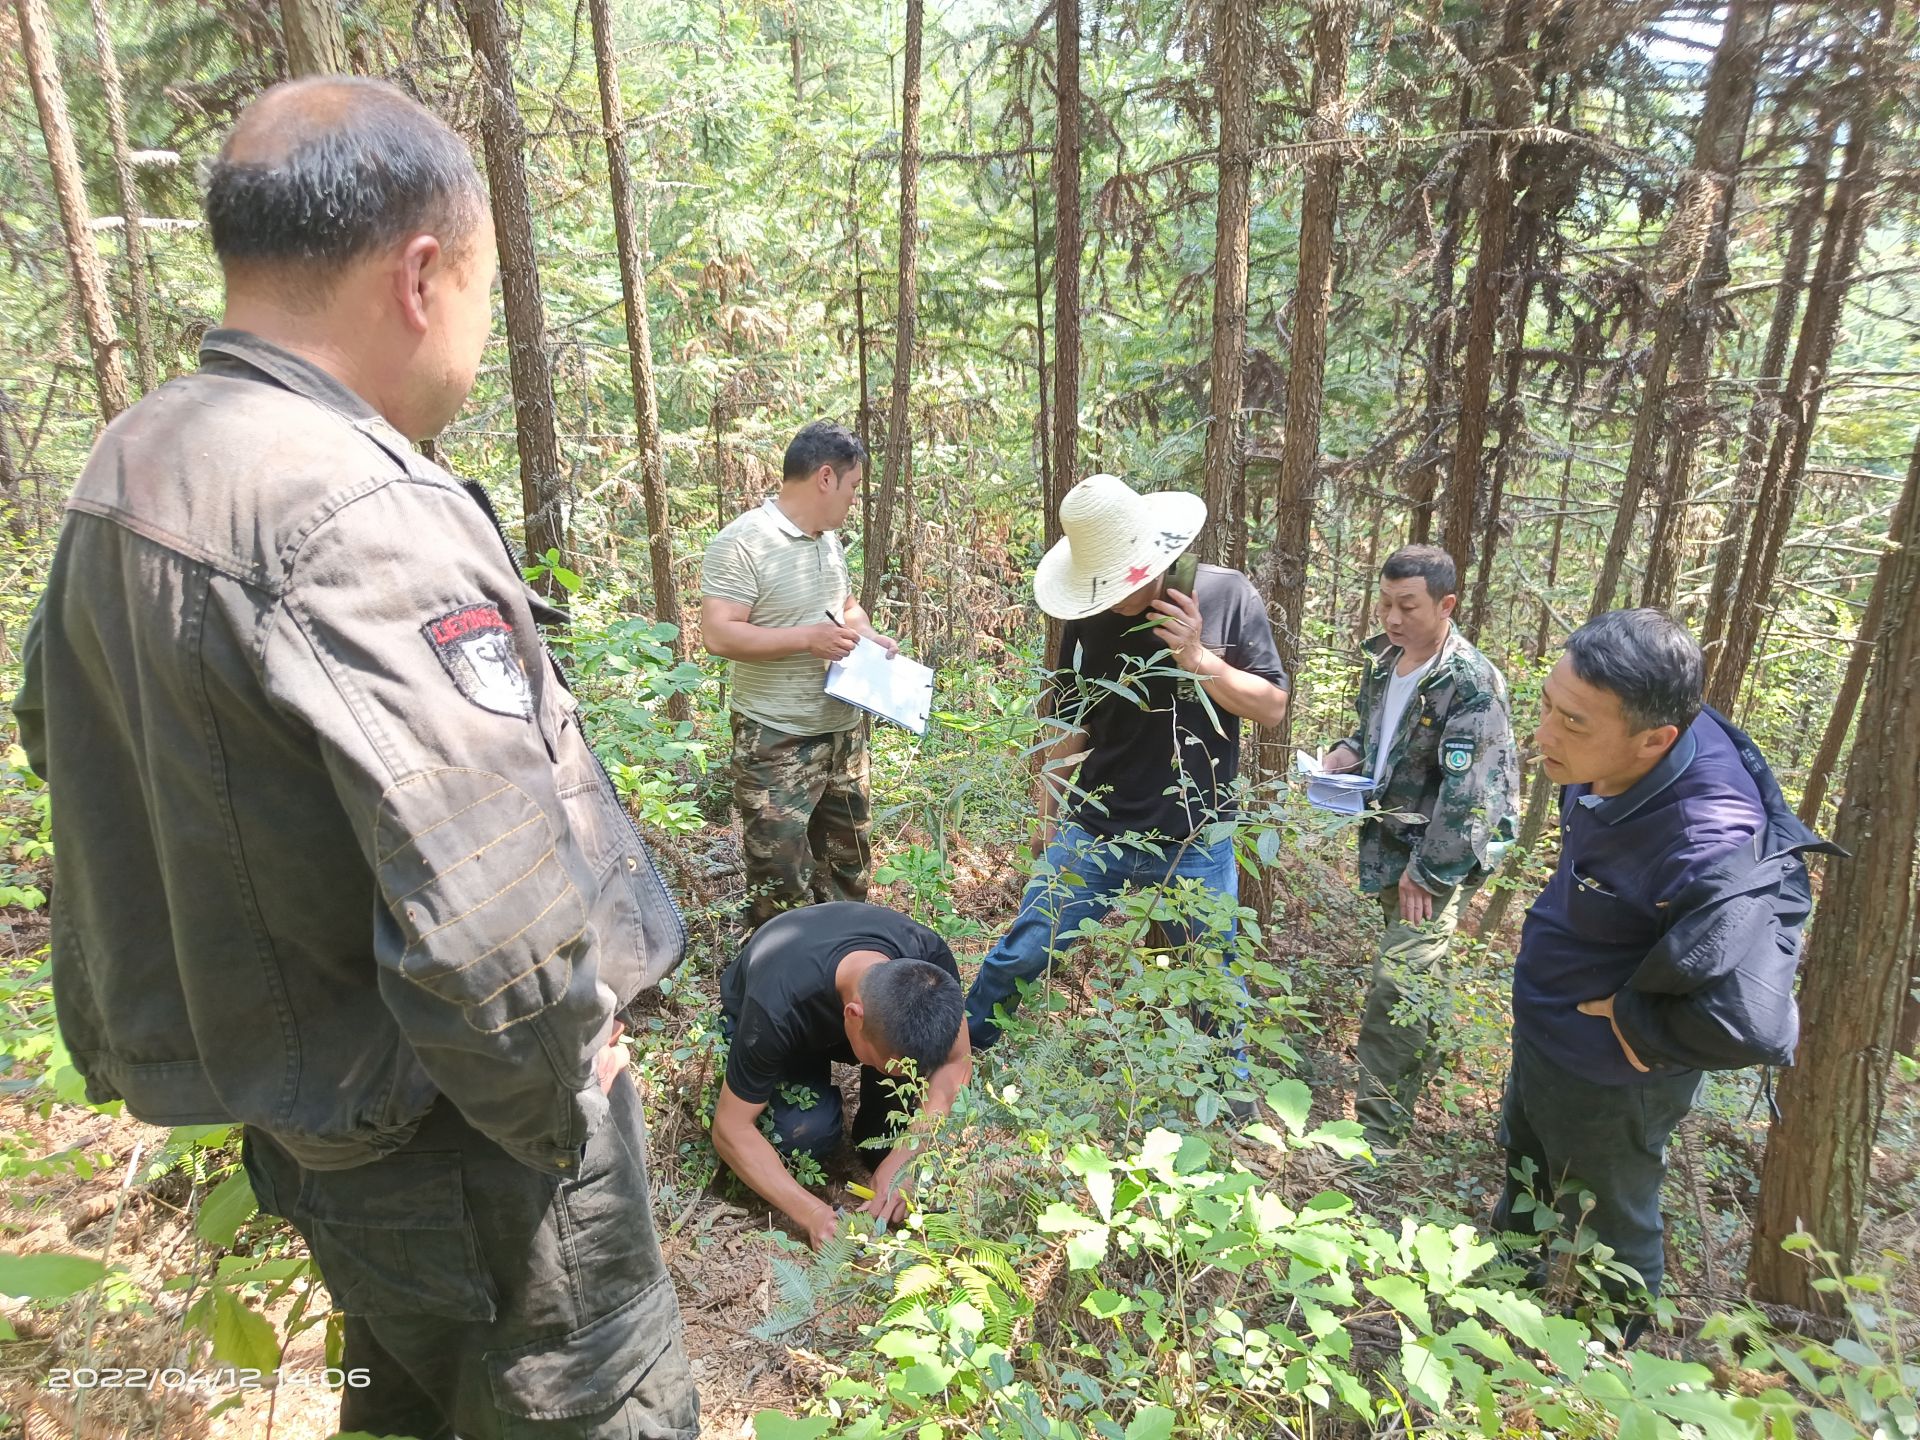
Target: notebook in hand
[900,690]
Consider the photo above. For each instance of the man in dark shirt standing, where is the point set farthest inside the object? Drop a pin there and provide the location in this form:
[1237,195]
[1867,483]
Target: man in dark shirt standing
[843,981]
[1156,764]
[1656,793]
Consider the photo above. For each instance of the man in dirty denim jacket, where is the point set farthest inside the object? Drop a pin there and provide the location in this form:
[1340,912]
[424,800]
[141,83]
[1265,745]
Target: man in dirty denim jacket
[333,859]
[1434,732]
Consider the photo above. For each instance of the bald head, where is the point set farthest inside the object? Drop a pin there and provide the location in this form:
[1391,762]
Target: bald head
[321,172]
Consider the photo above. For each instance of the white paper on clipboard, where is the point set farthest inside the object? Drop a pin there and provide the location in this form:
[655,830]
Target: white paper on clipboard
[900,690]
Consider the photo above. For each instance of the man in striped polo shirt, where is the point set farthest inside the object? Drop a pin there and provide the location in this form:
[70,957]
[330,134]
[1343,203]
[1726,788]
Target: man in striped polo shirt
[775,600]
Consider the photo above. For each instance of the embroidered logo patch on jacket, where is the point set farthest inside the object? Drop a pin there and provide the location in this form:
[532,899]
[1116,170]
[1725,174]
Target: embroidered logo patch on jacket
[1456,756]
[475,645]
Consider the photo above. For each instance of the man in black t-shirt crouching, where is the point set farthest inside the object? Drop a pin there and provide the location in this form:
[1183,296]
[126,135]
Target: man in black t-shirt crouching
[844,981]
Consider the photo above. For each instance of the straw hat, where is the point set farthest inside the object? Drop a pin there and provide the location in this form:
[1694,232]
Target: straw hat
[1115,542]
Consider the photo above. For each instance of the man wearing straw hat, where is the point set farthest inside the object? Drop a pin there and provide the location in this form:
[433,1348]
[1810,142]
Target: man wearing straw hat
[1155,675]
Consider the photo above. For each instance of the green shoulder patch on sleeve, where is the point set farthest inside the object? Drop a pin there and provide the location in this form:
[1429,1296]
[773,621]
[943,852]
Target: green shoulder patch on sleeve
[1456,755]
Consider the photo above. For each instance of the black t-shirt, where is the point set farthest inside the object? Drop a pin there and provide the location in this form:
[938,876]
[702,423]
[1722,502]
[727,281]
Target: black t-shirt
[1159,764]
[779,991]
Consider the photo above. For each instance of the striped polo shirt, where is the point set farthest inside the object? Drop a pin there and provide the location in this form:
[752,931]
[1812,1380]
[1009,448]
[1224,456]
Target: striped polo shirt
[785,577]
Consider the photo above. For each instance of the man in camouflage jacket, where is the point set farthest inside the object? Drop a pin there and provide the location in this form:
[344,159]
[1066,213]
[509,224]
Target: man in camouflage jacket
[1435,733]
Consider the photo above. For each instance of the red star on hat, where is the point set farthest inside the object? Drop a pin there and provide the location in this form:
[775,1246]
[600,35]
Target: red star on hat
[1136,574]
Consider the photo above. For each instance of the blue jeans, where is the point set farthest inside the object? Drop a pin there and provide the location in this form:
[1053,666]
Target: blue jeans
[1052,907]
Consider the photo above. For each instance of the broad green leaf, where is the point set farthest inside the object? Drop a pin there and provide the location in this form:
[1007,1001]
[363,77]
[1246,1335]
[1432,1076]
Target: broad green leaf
[1151,1422]
[1425,1373]
[1100,1186]
[1406,1296]
[48,1277]
[772,1425]
[1157,1152]
[1107,1305]
[1087,1249]
[242,1336]
[1290,1101]
[229,1206]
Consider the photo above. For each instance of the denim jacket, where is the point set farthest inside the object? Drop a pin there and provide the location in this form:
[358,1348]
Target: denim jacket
[328,841]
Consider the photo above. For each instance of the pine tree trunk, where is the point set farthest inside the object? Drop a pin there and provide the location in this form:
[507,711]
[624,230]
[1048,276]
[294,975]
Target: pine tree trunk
[1512,85]
[135,238]
[1068,240]
[316,45]
[83,256]
[1512,424]
[1423,482]
[1698,265]
[530,369]
[1225,450]
[878,542]
[1820,773]
[1306,367]
[1764,414]
[1854,992]
[646,400]
[1042,396]
[1779,489]
[1553,552]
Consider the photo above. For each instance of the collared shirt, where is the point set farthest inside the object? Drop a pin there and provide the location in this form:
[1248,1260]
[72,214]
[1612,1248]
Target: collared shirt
[1623,858]
[786,577]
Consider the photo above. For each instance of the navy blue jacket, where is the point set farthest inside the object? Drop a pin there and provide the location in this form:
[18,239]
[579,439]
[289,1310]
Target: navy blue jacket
[1684,898]
[1716,992]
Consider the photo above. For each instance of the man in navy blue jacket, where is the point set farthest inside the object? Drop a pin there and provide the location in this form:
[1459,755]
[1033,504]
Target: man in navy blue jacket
[1666,941]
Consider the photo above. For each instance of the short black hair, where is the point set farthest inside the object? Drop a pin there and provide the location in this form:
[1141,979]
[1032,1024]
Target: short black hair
[822,443]
[1424,562]
[1648,660]
[377,168]
[915,1010]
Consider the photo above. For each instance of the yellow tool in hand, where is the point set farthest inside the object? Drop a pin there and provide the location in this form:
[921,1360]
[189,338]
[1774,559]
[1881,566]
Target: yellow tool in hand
[862,1191]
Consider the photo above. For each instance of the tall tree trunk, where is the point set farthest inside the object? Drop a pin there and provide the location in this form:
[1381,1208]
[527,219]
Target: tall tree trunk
[1779,490]
[1225,451]
[1559,531]
[1047,483]
[1820,1151]
[646,400]
[1698,268]
[530,369]
[878,542]
[1688,403]
[135,238]
[1512,86]
[316,45]
[864,414]
[1763,415]
[1068,239]
[1820,773]
[83,256]
[1423,483]
[1512,422]
[1307,366]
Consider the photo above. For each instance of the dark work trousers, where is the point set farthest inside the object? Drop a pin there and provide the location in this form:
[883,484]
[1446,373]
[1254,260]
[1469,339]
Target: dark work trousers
[488,1299]
[808,1114]
[1607,1139]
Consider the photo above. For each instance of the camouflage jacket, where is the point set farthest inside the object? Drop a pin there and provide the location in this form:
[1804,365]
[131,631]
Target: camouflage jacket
[1451,789]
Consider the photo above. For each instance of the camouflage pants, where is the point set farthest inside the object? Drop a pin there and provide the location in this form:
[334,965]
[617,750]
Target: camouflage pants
[1396,1051]
[804,817]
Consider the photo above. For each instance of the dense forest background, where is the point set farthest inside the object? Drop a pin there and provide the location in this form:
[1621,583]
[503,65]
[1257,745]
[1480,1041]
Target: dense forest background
[1616,300]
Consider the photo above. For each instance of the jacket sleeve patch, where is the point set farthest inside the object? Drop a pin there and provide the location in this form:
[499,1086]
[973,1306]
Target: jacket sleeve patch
[475,647]
[1456,755]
